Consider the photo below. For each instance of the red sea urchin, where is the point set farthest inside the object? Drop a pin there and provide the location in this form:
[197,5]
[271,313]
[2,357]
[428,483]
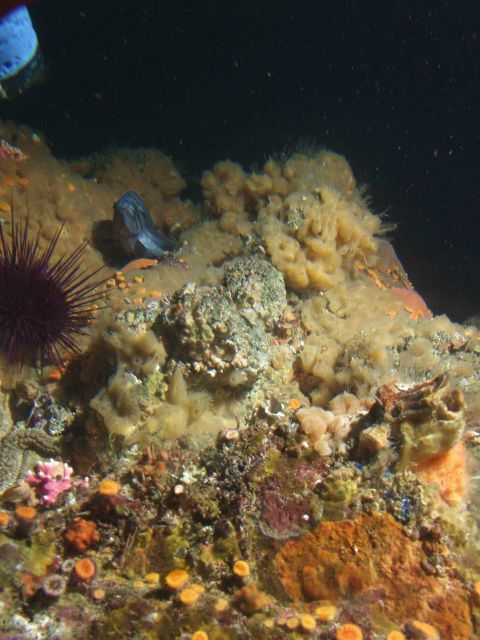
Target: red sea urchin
[45,304]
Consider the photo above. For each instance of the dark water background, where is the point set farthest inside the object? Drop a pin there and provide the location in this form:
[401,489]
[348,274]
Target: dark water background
[395,86]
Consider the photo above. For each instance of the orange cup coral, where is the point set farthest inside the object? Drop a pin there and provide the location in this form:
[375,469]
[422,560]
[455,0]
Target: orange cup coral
[85,570]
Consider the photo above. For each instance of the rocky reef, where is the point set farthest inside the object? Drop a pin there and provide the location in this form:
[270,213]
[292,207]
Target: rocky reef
[264,434]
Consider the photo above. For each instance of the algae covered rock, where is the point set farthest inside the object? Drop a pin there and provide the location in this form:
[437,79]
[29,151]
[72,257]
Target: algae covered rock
[221,331]
[257,286]
[204,328]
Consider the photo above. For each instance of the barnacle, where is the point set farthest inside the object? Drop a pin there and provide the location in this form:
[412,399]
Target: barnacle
[428,417]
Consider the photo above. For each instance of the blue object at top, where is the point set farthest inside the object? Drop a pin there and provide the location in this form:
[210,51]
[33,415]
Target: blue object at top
[18,41]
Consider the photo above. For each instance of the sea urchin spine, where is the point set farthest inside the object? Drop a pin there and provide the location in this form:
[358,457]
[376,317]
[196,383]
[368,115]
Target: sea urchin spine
[45,304]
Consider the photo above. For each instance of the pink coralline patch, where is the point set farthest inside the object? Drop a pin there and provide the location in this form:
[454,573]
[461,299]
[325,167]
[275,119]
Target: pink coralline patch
[284,518]
[285,513]
[51,478]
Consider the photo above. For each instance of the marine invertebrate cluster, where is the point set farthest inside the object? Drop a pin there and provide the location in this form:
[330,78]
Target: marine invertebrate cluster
[232,193]
[314,239]
[354,345]
[229,402]
[327,431]
[351,346]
